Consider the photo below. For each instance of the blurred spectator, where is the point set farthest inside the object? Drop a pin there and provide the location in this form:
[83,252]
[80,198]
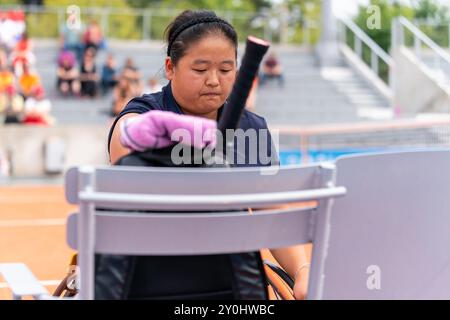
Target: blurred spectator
[6,76]
[93,36]
[22,54]
[12,26]
[11,105]
[5,98]
[68,74]
[28,81]
[88,74]
[132,74]
[109,77]
[37,109]
[3,57]
[153,85]
[70,39]
[123,92]
[272,69]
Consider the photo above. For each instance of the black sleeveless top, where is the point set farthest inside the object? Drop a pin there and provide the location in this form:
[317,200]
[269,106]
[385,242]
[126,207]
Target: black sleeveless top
[165,101]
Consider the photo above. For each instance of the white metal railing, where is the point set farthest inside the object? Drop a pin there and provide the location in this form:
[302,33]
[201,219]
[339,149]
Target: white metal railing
[145,19]
[441,59]
[360,39]
[265,23]
[401,133]
[436,28]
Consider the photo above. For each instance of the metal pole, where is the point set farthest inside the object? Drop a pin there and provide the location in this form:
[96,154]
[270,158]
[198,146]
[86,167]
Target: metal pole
[304,148]
[374,62]
[306,33]
[358,46]
[60,18]
[328,48]
[448,33]
[145,25]
[417,46]
[105,18]
[86,235]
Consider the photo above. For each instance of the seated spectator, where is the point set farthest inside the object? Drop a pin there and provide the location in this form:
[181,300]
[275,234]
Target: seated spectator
[123,92]
[12,106]
[70,39]
[67,74]
[6,76]
[37,109]
[22,54]
[3,57]
[5,98]
[109,77]
[88,74]
[93,36]
[153,86]
[12,25]
[132,74]
[27,81]
[271,69]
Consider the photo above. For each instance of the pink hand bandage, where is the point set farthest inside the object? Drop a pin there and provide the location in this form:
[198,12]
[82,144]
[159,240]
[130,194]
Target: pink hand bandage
[159,129]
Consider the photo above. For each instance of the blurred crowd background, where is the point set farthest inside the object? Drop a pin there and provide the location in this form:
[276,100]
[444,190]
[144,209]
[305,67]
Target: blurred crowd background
[79,62]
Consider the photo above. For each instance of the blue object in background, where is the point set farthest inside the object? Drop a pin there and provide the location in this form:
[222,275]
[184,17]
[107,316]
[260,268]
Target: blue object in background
[288,157]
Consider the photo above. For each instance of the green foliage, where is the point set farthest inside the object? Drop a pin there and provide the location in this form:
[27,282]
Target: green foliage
[9,2]
[87,3]
[129,23]
[304,22]
[142,3]
[429,9]
[421,9]
[388,12]
[220,5]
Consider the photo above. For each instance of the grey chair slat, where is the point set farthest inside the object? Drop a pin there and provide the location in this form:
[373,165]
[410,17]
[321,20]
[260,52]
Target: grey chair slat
[193,234]
[205,202]
[190,181]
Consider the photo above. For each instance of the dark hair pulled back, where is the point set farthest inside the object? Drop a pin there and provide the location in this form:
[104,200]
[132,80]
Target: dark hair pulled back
[192,26]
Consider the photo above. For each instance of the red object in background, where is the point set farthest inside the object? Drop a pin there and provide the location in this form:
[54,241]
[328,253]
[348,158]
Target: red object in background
[15,15]
[35,119]
[10,90]
[38,92]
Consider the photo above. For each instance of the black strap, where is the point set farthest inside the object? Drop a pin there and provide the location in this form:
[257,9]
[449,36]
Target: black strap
[192,23]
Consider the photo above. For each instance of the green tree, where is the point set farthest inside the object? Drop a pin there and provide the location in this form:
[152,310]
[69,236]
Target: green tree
[9,2]
[438,17]
[425,10]
[430,10]
[388,11]
[254,5]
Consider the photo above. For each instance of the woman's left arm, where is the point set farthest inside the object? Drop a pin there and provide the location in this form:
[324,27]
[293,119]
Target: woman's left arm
[295,262]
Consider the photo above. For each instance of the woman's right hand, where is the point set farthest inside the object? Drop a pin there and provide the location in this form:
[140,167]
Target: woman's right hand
[155,129]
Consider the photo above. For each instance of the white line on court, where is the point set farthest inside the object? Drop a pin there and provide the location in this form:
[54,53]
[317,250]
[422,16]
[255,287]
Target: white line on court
[4,285]
[18,200]
[33,222]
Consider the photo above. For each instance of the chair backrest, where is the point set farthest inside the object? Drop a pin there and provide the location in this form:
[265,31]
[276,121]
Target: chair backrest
[177,221]
[390,234]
